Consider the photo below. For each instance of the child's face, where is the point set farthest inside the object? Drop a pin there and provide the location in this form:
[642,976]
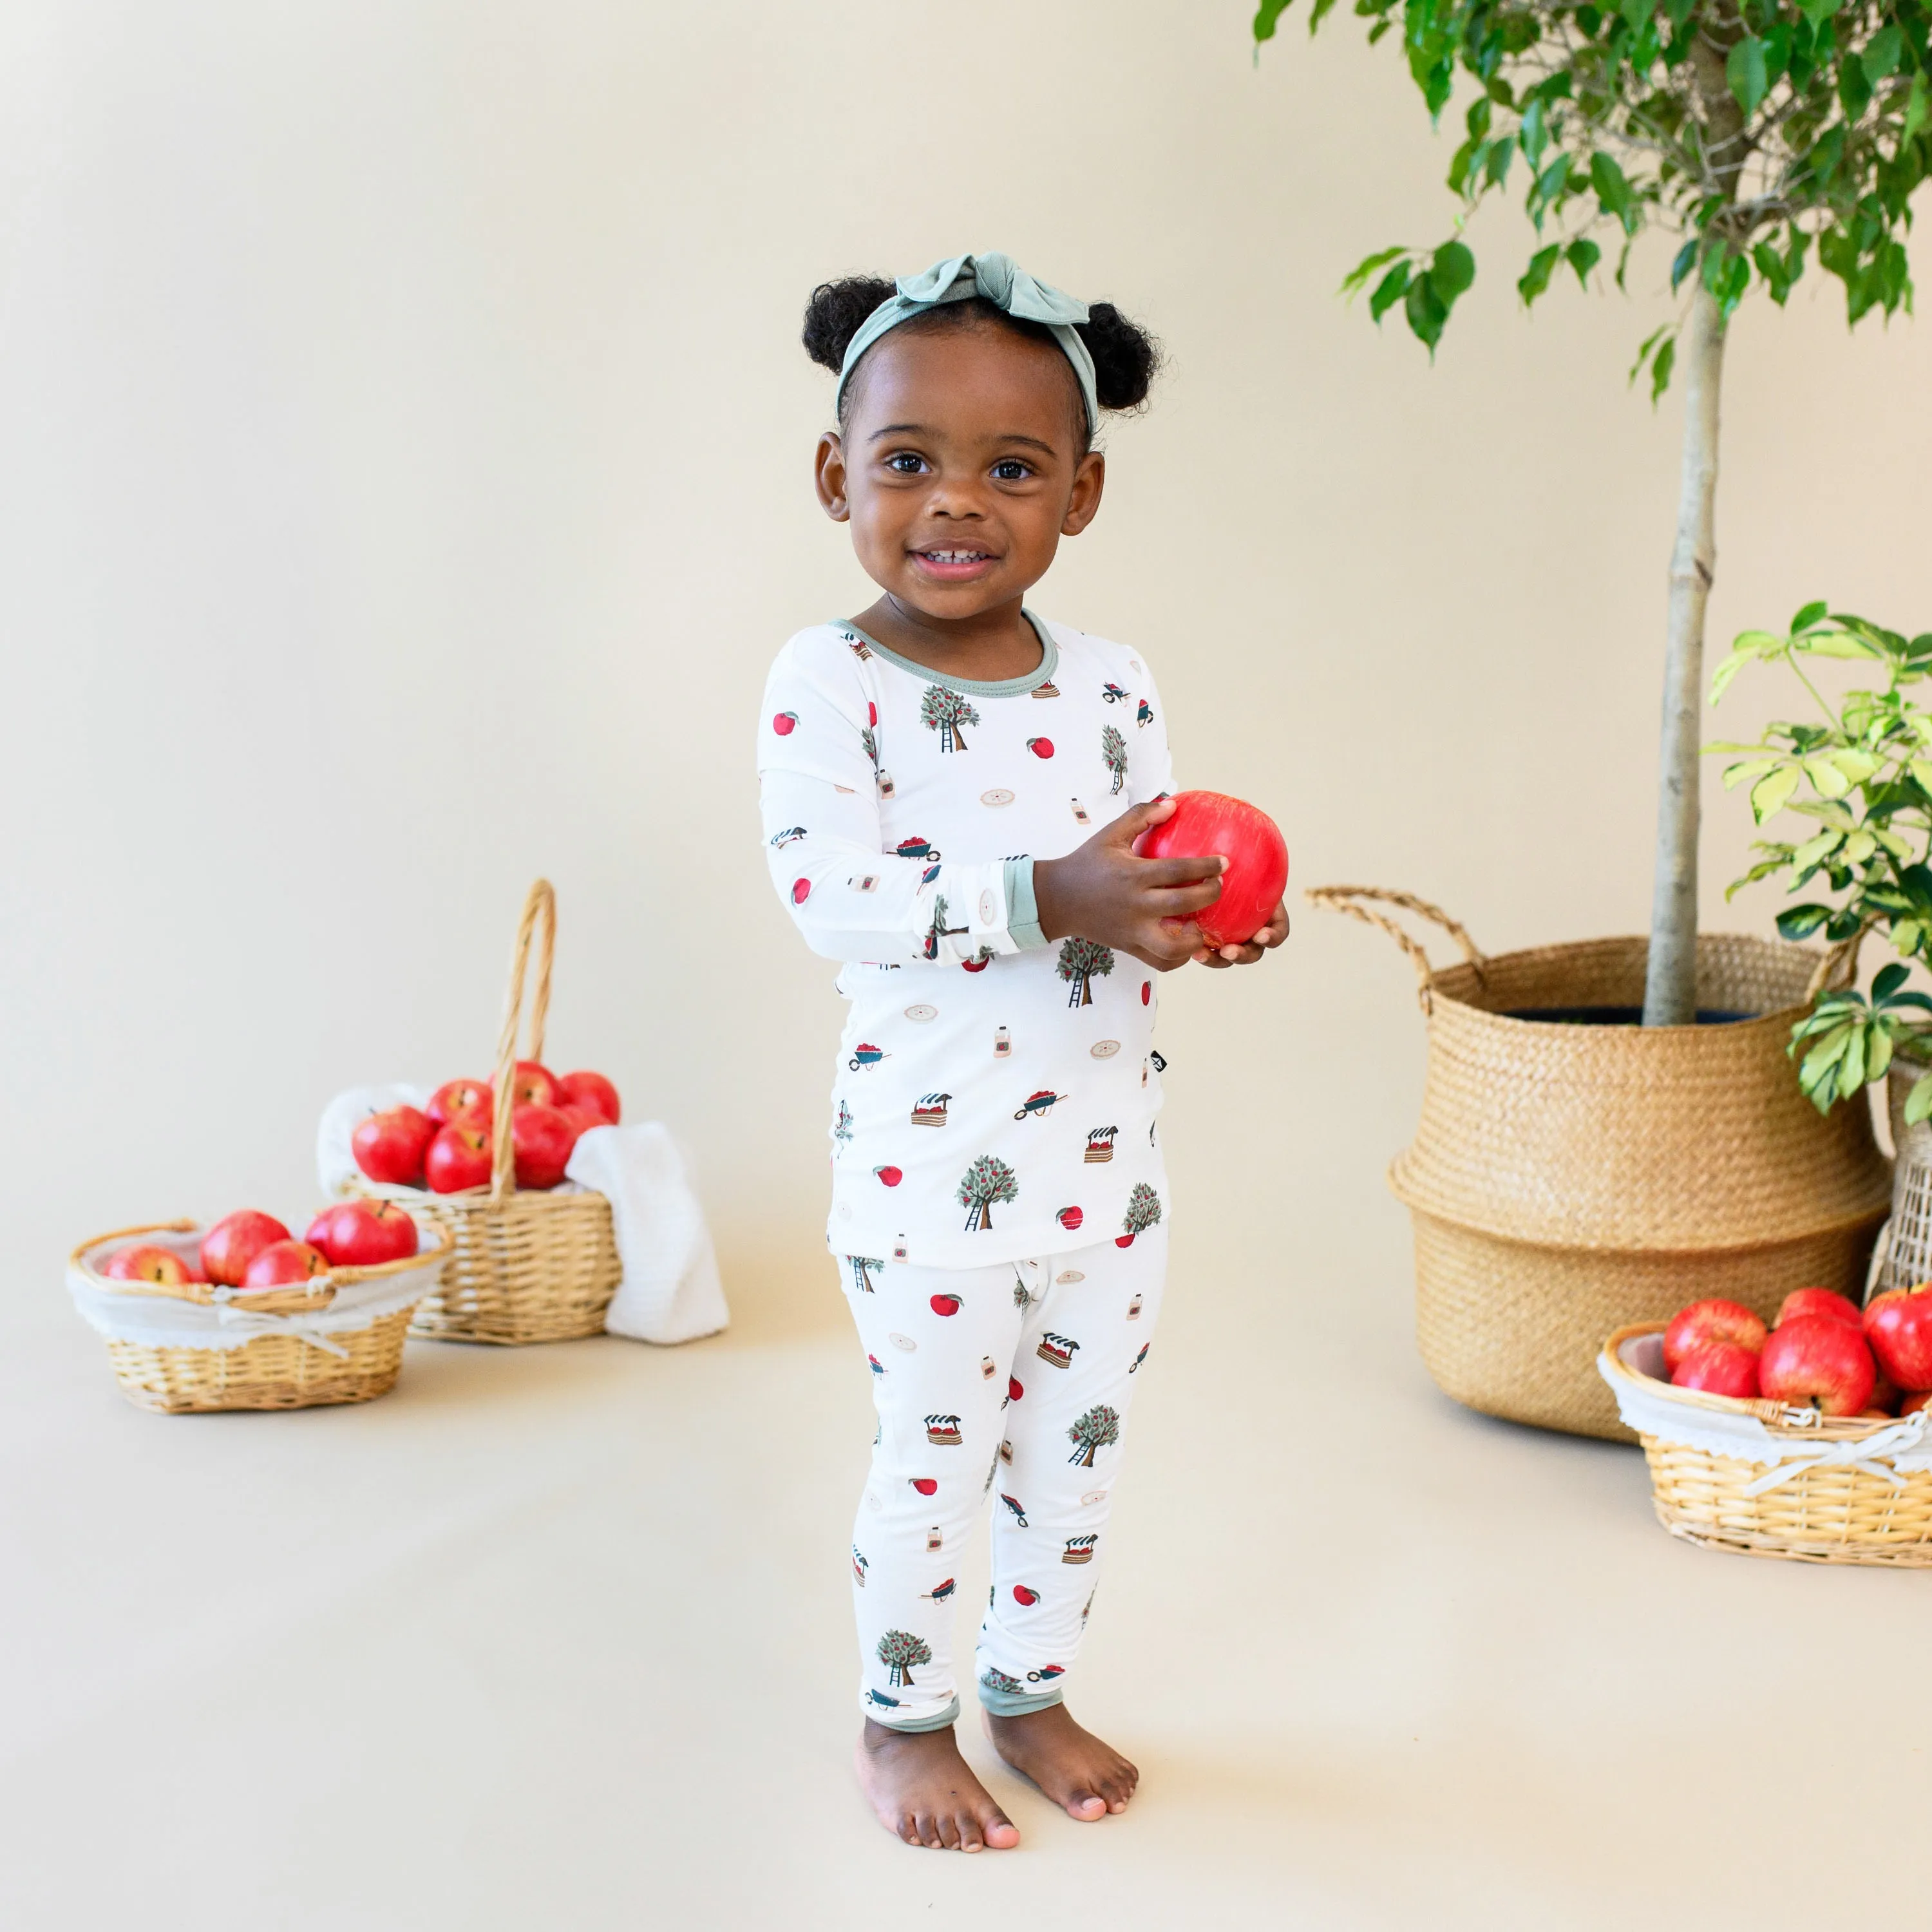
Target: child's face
[960,467]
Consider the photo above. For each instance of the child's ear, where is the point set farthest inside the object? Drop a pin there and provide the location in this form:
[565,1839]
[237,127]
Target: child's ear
[1090,479]
[828,476]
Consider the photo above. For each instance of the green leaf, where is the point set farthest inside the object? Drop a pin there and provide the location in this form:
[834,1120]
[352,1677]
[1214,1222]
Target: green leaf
[1750,768]
[1802,921]
[1660,369]
[1916,109]
[1918,1102]
[1770,795]
[1356,278]
[1720,678]
[1819,11]
[1267,15]
[1887,980]
[1426,311]
[1744,71]
[1389,291]
[1613,190]
[1582,255]
[1533,137]
[1682,263]
[1809,615]
[1452,268]
[1882,55]
[1535,278]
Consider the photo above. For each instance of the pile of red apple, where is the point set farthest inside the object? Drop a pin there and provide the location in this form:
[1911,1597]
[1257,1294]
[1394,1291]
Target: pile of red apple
[1822,1352]
[248,1249]
[446,1146]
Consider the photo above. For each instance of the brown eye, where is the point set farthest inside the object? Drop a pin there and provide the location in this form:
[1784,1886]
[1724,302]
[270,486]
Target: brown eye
[905,463]
[1011,471]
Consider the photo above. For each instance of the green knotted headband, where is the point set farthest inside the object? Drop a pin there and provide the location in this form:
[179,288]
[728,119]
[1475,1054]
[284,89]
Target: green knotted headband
[999,280]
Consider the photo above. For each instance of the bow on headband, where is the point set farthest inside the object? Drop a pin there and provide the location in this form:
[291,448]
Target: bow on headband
[995,278]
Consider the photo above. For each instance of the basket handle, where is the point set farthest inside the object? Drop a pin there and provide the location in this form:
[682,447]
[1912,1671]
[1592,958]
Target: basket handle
[121,1234]
[1840,959]
[541,901]
[1344,899]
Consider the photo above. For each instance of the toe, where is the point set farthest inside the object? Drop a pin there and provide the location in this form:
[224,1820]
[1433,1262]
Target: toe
[1002,1835]
[1086,1806]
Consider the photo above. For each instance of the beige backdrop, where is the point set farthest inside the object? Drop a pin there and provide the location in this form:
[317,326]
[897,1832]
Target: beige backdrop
[404,485]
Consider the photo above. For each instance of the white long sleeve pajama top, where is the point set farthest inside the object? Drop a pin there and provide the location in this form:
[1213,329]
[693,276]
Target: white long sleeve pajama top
[994,1094]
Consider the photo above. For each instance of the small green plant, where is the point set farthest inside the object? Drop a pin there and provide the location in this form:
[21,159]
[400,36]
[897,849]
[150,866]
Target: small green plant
[1862,772]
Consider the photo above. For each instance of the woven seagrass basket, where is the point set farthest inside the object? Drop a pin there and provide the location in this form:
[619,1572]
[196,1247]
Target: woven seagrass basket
[1566,1178]
[1906,1250]
[1837,1499]
[527,1266]
[274,1370]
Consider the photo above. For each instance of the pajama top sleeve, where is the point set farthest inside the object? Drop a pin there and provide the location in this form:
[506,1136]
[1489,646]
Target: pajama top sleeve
[853,899]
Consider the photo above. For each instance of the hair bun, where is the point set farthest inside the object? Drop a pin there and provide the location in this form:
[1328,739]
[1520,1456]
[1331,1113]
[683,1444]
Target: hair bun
[1125,356]
[834,314]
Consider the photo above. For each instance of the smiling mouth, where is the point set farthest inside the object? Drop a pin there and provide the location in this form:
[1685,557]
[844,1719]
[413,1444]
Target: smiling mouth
[954,559]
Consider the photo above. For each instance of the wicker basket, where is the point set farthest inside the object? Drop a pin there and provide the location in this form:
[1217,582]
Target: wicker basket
[283,1367]
[526,1267]
[1812,1488]
[1564,1178]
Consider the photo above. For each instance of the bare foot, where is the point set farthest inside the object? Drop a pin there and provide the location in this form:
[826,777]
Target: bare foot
[1071,1766]
[925,1792]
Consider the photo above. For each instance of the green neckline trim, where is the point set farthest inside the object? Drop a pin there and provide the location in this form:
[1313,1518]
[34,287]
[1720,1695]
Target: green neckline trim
[1005,687]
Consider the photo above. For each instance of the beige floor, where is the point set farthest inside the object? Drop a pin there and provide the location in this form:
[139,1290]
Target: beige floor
[558,1638]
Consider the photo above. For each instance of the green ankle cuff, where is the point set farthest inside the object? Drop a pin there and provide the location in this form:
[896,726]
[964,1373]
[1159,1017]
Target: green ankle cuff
[1017,1703]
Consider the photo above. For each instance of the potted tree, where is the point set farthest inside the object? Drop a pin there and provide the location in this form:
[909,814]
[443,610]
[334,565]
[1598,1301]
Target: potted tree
[1565,1180]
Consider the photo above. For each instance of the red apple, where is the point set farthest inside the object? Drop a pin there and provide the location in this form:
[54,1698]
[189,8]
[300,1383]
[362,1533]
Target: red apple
[1208,823]
[1147,992]
[389,1147]
[1815,1361]
[1069,1218]
[363,1234]
[1884,1396]
[1123,1240]
[1041,748]
[1819,1301]
[945,1304]
[283,1262]
[533,1084]
[1025,1597]
[925,1485]
[1898,1325]
[891,1177]
[459,1157]
[785,723]
[147,1262]
[581,1119]
[1713,1321]
[541,1139]
[233,1242]
[1718,1368]
[1915,1402]
[801,891]
[1015,1389]
[586,1089]
[466,1101]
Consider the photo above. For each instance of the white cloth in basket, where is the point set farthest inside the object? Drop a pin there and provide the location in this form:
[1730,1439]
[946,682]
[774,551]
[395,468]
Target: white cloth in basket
[670,1290]
[1650,1405]
[161,1321]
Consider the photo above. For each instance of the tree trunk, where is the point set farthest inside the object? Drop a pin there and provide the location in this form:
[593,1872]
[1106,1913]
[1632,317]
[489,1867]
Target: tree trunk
[1670,988]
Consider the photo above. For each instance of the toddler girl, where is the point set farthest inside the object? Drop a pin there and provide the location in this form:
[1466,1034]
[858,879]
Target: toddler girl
[952,787]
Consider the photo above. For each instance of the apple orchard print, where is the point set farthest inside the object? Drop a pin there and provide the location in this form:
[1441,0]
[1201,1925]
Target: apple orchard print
[1143,1211]
[1081,962]
[947,713]
[989,1179]
[1114,756]
[899,1651]
[1099,1428]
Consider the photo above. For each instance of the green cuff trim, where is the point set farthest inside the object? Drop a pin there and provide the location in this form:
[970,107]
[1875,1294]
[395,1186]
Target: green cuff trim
[1017,1703]
[939,1721]
[1022,908]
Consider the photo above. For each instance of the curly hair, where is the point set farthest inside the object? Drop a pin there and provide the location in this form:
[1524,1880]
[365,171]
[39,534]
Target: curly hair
[1126,356]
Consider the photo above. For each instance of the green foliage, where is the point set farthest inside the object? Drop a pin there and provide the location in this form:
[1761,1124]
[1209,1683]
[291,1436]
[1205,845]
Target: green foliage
[1862,774]
[1753,129]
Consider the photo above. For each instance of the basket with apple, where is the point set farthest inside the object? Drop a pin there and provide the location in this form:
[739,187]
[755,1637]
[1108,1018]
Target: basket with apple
[534,1256]
[245,1316]
[1809,1439]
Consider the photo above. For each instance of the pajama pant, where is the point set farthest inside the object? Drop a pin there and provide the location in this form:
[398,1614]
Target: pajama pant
[1011,1383]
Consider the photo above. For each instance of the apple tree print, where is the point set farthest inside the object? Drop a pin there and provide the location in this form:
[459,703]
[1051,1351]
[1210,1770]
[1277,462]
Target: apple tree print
[945,712]
[1099,1428]
[899,1651]
[997,1680]
[1080,959]
[864,1266]
[1113,754]
[1143,1210]
[989,1179]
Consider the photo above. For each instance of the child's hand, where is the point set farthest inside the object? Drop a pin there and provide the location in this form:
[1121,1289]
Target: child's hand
[1269,936]
[1142,906]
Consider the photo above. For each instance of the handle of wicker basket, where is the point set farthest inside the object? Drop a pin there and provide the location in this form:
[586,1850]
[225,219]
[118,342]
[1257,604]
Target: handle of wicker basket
[541,903]
[1345,899]
[1840,963]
